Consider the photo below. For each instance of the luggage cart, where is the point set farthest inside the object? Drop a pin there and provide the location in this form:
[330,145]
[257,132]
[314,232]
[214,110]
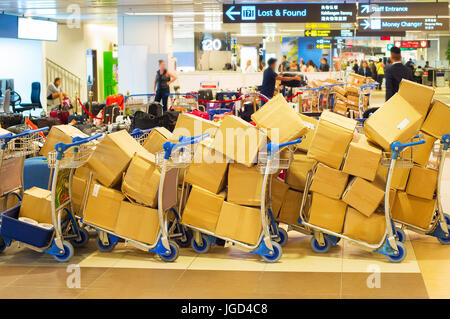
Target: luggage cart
[271,237]
[64,233]
[171,235]
[390,245]
[326,99]
[440,222]
[140,135]
[365,93]
[309,100]
[183,102]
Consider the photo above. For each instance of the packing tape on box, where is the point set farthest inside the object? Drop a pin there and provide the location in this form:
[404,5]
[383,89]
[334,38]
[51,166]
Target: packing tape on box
[46,226]
[28,221]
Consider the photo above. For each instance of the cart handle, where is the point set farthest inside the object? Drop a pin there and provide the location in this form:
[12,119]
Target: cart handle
[138,131]
[9,136]
[183,141]
[274,147]
[446,140]
[61,147]
[398,147]
[361,120]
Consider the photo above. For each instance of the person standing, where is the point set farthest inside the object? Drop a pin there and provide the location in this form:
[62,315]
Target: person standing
[284,66]
[324,66]
[373,70]
[249,68]
[270,77]
[365,70]
[355,66]
[293,67]
[311,66]
[380,73]
[395,73]
[162,83]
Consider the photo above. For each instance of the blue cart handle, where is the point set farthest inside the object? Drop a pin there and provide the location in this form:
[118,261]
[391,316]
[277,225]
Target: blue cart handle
[138,131]
[8,137]
[274,147]
[62,147]
[446,140]
[169,147]
[398,147]
[361,120]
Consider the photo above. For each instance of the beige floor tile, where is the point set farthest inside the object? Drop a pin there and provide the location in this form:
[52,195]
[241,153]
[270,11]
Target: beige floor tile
[438,287]
[39,293]
[9,274]
[123,293]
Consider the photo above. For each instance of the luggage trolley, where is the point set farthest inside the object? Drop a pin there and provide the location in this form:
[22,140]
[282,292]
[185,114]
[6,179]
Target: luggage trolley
[140,135]
[390,245]
[271,237]
[309,100]
[59,238]
[170,161]
[365,93]
[440,222]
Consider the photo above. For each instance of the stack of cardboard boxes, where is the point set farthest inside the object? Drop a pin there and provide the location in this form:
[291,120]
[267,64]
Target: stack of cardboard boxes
[348,97]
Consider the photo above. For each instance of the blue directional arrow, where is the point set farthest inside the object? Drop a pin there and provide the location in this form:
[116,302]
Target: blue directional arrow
[365,8]
[230,13]
[365,24]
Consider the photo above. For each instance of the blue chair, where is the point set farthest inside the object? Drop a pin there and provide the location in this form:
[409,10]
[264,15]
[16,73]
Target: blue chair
[35,99]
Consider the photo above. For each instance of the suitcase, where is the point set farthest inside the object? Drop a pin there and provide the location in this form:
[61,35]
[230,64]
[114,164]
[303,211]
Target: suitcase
[205,94]
[155,109]
[143,121]
[36,172]
[96,108]
[115,99]
[111,113]
[46,121]
[168,120]
[203,115]
[76,118]
[10,119]
[63,116]
[247,112]
[293,83]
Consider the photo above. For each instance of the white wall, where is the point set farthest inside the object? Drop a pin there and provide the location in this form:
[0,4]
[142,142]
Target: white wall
[21,60]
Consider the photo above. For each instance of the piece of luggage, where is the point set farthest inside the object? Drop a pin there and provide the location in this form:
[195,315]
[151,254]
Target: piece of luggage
[36,172]
[10,119]
[63,116]
[96,108]
[168,120]
[246,112]
[77,118]
[115,99]
[293,83]
[155,109]
[205,94]
[111,113]
[46,121]
[203,115]
[143,121]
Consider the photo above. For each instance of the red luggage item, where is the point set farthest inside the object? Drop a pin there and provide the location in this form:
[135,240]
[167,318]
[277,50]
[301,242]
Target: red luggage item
[118,99]
[63,116]
[201,114]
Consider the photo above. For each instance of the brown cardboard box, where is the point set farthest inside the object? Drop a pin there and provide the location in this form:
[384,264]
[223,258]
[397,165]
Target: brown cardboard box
[203,208]
[190,125]
[340,90]
[60,134]
[436,123]
[363,195]
[279,191]
[141,180]
[156,139]
[78,191]
[399,177]
[340,107]
[112,156]
[351,90]
[103,205]
[329,181]
[362,159]
[240,223]
[137,222]
[421,153]
[422,182]
[10,171]
[311,124]
[3,131]
[290,209]
[12,200]
[353,99]
[331,139]
[298,170]
[341,97]
[327,212]
[244,185]
[356,79]
[280,120]
[208,169]
[238,140]
[400,118]
[37,205]
[413,210]
[367,229]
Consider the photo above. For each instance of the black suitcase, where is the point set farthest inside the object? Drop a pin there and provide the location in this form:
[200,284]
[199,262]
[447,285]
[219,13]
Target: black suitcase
[293,83]
[205,94]
[143,121]
[169,120]
[46,121]
[10,119]
[111,113]
[247,112]
[96,108]
[155,109]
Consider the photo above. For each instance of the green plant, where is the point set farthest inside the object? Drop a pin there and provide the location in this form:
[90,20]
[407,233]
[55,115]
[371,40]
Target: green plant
[448,50]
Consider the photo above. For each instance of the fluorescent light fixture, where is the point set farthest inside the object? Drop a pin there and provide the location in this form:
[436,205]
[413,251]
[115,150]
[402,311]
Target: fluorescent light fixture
[176,14]
[34,29]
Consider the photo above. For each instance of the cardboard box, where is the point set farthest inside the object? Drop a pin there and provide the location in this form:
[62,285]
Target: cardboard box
[203,208]
[290,209]
[351,90]
[240,223]
[362,159]
[112,156]
[239,140]
[137,222]
[244,185]
[413,210]
[141,180]
[279,191]
[208,169]
[399,177]
[156,139]
[327,212]
[356,79]
[190,125]
[367,229]
[10,171]
[340,107]
[400,118]
[3,131]
[421,153]
[60,134]
[78,191]
[422,182]
[329,181]
[280,120]
[331,139]
[363,195]
[12,200]
[103,205]
[436,123]
[311,124]
[298,171]
[353,99]
[37,205]
[340,90]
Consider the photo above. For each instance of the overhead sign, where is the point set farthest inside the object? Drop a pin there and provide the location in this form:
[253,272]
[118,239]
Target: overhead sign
[394,9]
[404,24]
[323,44]
[415,44]
[9,26]
[372,33]
[317,26]
[329,33]
[289,12]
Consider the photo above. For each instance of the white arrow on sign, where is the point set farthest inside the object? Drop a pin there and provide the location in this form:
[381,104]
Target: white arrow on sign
[365,8]
[230,13]
[365,24]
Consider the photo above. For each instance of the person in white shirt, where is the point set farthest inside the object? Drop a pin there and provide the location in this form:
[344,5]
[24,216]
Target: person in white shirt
[249,67]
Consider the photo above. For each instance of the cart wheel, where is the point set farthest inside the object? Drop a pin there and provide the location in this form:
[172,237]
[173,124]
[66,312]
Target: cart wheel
[315,246]
[443,240]
[174,251]
[204,247]
[105,248]
[185,243]
[447,219]
[83,240]
[277,252]
[400,234]
[401,254]
[68,252]
[283,237]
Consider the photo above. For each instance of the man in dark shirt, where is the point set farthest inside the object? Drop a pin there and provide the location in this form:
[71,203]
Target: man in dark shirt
[270,77]
[395,73]
[324,67]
